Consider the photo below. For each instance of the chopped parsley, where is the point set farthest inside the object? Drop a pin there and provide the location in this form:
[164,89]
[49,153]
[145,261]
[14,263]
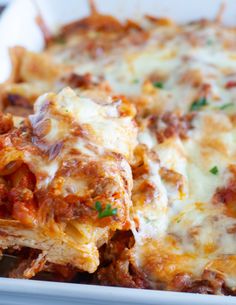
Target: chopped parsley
[158,85]
[214,170]
[209,42]
[198,104]
[60,40]
[108,211]
[226,106]
[135,81]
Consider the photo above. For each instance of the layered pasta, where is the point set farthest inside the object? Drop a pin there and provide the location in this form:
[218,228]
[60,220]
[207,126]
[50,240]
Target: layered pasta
[126,171]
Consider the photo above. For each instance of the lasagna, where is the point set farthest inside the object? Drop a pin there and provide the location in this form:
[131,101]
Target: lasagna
[127,171]
[65,178]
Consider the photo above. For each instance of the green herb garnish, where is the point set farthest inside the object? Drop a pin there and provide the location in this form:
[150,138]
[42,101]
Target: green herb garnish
[60,40]
[209,42]
[214,170]
[226,106]
[198,104]
[158,85]
[108,211]
[135,81]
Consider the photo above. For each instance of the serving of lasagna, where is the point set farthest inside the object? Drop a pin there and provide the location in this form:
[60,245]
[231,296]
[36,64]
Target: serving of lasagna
[118,155]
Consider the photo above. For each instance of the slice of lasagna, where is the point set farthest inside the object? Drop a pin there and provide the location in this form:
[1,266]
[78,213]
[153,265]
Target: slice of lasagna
[65,178]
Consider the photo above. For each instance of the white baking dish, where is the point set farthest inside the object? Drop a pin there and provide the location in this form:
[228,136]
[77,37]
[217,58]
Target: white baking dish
[28,292]
[17,27]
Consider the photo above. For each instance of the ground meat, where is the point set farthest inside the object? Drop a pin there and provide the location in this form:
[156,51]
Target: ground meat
[18,100]
[171,124]
[79,81]
[202,287]
[122,273]
[226,196]
[6,122]
[210,283]
[116,267]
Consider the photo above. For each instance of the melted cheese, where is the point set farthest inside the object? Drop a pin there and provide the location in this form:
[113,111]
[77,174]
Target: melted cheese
[182,57]
[102,122]
[191,225]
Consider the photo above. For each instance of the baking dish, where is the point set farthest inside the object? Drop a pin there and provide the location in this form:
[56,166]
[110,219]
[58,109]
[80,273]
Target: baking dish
[55,15]
[22,292]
